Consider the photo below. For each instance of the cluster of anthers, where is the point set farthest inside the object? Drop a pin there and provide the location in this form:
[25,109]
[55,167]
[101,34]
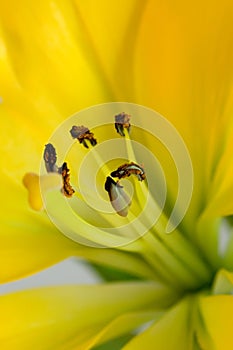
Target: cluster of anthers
[114,188]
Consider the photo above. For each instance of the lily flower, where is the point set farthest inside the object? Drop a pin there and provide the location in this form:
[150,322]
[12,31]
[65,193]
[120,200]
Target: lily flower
[147,193]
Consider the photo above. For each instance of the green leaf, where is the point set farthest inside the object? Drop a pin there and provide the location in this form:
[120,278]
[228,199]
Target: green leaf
[115,344]
[112,274]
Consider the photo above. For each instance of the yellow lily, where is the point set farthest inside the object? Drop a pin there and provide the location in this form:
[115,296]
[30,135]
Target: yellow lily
[57,58]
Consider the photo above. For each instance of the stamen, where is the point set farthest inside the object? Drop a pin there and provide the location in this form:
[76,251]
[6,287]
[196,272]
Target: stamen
[50,158]
[142,191]
[122,122]
[118,198]
[83,134]
[36,184]
[67,189]
[126,170]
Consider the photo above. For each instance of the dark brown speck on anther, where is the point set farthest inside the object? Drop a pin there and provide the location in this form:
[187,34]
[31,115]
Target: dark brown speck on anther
[83,134]
[127,169]
[122,122]
[67,189]
[50,158]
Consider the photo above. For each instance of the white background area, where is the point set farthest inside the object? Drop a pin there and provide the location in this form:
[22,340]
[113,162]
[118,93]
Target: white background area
[70,271]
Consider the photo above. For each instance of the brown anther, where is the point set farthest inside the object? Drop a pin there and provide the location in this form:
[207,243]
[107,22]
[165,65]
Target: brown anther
[67,189]
[122,122]
[50,158]
[83,134]
[128,169]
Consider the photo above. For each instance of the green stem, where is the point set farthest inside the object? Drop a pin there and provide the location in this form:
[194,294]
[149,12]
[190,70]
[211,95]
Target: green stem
[186,252]
[181,249]
[161,259]
[183,277]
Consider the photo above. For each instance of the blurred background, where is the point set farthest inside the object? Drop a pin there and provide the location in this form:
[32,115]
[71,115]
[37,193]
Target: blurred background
[70,271]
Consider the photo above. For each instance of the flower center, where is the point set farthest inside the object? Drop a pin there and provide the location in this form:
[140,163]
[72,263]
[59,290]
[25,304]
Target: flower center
[113,183]
[111,177]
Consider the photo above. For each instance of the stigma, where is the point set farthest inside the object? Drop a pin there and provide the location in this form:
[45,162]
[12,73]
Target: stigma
[120,201]
[36,185]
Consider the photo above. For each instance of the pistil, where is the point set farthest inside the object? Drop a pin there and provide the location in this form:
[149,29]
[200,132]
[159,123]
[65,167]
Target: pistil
[36,185]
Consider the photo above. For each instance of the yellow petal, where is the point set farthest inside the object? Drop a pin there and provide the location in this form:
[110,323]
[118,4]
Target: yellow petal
[182,68]
[223,283]
[182,79]
[172,331]
[37,89]
[55,31]
[28,241]
[112,28]
[51,317]
[221,190]
[123,325]
[217,315]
